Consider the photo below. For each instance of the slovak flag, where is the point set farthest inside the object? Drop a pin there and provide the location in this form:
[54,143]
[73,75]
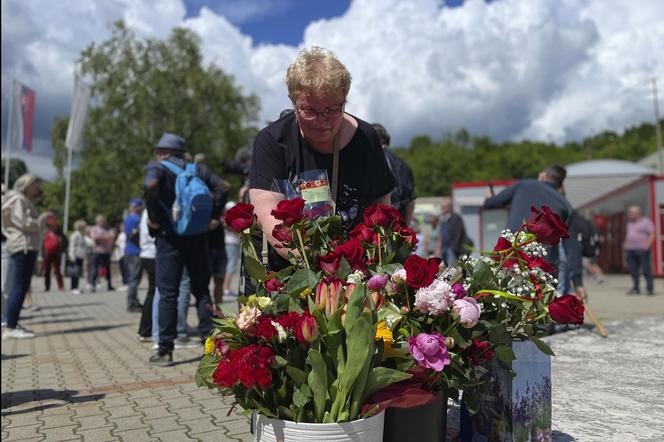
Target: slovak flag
[27,109]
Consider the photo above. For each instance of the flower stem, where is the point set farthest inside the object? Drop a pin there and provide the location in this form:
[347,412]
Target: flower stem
[380,255]
[304,255]
[252,247]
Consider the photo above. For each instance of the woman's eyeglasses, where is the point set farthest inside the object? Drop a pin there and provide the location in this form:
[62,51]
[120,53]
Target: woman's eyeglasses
[329,113]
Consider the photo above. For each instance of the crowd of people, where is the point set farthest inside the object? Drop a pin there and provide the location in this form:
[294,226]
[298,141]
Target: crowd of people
[175,233]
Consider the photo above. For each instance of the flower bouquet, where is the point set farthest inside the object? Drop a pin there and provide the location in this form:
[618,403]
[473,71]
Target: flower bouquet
[303,347]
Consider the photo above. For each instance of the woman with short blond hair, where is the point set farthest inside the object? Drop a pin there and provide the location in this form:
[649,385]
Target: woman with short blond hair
[310,138]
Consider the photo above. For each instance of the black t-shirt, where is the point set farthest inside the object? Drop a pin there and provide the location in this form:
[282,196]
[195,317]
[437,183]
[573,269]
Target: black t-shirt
[404,192]
[281,152]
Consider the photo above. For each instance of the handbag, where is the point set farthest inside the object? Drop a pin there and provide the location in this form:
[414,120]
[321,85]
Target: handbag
[72,270]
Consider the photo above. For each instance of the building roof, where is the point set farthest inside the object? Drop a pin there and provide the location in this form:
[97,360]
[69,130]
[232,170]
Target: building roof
[606,168]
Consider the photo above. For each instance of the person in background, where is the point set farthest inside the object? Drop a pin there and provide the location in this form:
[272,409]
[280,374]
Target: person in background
[175,252]
[147,254]
[593,250]
[20,225]
[118,254]
[403,196]
[103,238]
[52,248]
[78,251]
[89,260]
[217,248]
[6,269]
[452,239]
[639,237]
[232,242]
[544,191]
[132,253]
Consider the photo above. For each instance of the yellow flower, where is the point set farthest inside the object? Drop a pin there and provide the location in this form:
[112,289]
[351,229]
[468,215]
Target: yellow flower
[263,302]
[304,293]
[209,345]
[383,332]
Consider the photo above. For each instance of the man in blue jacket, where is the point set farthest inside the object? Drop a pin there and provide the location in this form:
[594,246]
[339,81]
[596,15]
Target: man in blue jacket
[544,191]
[131,253]
[176,252]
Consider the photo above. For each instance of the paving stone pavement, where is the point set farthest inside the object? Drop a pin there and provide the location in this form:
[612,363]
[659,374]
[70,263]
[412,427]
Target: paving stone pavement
[86,377]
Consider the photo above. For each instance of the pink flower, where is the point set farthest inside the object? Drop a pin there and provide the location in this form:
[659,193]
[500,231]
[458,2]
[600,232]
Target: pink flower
[458,290]
[399,275]
[429,350]
[435,299]
[247,318]
[467,310]
[377,282]
[306,330]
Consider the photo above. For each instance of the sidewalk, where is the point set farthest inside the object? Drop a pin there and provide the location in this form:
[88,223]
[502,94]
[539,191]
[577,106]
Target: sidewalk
[86,377]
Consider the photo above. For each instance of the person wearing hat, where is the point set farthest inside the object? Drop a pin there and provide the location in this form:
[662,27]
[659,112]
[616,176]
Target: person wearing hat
[132,253]
[20,225]
[174,252]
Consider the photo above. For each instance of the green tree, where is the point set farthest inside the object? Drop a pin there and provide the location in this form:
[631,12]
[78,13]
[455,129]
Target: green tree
[17,168]
[142,88]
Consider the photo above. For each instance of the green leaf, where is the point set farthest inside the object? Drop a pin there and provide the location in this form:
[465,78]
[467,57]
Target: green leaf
[298,376]
[254,268]
[505,354]
[300,280]
[280,361]
[541,345]
[317,380]
[320,319]
[355,305]
[301,396]
[344,270]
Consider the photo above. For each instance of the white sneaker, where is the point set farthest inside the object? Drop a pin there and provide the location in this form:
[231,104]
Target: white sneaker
[155,346]
[17,333]
[76,292]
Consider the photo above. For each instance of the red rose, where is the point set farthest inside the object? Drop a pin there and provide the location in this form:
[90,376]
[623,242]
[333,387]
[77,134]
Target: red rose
[306,331]
[262,377]
[273,285]
[265,329]
[252,364]
[240,217]
[289,211]
[505,248]
[503,245]
[479,352]
[362,233]
[409,235]
[540,263]
[330,262]
[282,234]
[420,272]
[353,252]
[567,309]
[380,215]
[546,225]
[225,374]
[288,321]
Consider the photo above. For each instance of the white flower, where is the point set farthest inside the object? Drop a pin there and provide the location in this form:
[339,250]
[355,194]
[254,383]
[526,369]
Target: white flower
[281,333]
[355,278]
[399,275]
[435,299]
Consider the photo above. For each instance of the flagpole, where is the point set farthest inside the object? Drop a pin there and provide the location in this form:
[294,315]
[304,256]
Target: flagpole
[9,130]
[67,189]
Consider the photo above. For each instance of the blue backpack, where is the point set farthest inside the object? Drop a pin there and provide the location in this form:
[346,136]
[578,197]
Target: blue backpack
[192,208]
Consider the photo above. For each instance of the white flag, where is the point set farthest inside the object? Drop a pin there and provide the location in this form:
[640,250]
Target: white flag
[79,112]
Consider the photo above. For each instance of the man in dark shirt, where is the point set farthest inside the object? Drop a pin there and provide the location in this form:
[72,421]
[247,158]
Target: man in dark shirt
[403,195]
[452,234]
[174,252]
[545,191]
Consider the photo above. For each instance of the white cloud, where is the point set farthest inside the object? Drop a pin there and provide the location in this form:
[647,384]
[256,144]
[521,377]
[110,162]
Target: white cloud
[512,68]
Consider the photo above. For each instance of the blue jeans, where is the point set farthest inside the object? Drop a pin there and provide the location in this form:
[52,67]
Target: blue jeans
[135,270]
[449,257]
[174,255]
[638,261]
[183,308]
[564,274]
[23,267]
[7,275]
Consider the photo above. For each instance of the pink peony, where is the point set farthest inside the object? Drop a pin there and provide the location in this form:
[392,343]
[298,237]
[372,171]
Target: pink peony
[247,318]
[429,350]
[467,310]
[435,299]
[377,282]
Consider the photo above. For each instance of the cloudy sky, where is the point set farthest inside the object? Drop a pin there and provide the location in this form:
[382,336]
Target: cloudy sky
[540,69]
